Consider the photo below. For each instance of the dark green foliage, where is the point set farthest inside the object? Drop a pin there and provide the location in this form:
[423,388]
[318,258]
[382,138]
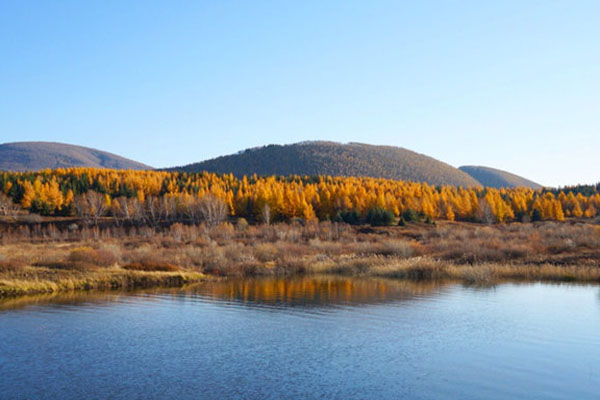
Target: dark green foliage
[497,178]
[39,207]
[336,159]
[536,215]
[380,217]
[349,217]
[402,222]
[585,190]
[521,216]
[410,215]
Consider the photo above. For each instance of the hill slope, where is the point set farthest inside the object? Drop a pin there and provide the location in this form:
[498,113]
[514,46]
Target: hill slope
[336,159]
[32,156]
[497,178]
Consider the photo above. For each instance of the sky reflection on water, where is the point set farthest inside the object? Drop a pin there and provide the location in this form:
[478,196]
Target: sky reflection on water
[305,338]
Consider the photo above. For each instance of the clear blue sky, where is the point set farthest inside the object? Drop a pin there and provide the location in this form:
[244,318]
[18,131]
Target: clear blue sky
[508,84]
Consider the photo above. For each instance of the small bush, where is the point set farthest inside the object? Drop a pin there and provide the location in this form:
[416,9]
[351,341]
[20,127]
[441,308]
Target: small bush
[106,257]
[11,265]
[536,215]
[325,247]
[265,252]
[296,221]
[380,217]
[349,217]
[478,275]
[245,269]
[291,267]
[80,266]
[151,266]
[237,252]
[415,269]
[223,231]
[357,266]
[83,254]
[241,225]
[397,248]
[102,257]
[410,215]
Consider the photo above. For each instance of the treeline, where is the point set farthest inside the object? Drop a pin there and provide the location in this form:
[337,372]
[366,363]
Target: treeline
[152,197]
[585,190]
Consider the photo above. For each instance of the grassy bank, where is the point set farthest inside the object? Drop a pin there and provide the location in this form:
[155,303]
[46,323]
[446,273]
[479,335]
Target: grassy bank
[180,254]
[35,280]
[426,268]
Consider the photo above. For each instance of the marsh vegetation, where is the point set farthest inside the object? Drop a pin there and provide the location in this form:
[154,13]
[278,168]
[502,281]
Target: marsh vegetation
[50,258]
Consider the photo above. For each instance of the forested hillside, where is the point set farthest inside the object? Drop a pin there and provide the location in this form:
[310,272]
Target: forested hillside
[33,156]
[336,159]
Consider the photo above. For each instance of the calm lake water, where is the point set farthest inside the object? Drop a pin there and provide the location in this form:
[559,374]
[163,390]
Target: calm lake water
[324,338]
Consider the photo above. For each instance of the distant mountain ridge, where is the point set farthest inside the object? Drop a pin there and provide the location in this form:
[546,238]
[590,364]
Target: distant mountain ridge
[498,178]
[336,159]
[33,156]
[310,158]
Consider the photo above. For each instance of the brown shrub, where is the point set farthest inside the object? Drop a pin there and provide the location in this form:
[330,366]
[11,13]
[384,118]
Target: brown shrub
[238,252]
[357,266]
[293,250]
[103,257]
[151,266]
[222,232]
[326,247]
[241,225]
[13,265]
[291,267]
[265,252]
[478,274]
[247,269]
[143,253]
[82,254]
[414,269]
[191,256]
[106,257]
[80,266]
[397,248]
[224,267]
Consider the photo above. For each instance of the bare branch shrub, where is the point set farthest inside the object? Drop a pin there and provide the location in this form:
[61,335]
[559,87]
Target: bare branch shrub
[7,207]
[213,210]
[90,206]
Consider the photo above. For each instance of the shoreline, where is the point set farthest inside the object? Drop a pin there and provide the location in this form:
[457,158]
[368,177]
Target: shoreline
[417,269]
[112,279]
[115,259]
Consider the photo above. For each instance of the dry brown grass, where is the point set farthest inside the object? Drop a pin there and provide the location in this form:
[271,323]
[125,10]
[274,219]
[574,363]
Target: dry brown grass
[32,280]
[151,266]
[103,257]
[426,268]
[544,243]
[469,252]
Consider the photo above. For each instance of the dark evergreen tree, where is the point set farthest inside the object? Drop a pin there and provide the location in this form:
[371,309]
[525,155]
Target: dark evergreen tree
[380,217]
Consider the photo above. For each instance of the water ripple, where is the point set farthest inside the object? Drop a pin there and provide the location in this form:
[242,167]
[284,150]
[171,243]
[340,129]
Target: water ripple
[305,338]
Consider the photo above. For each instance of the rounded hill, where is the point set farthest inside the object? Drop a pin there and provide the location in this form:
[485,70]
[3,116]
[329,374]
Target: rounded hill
[33,156]
[336,159]
[498,178]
